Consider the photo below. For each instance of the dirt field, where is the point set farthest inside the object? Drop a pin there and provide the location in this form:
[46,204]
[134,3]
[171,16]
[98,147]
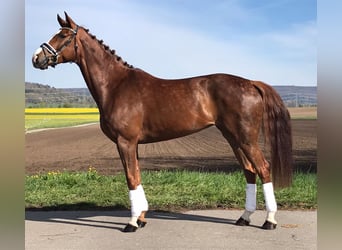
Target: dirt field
[78,148]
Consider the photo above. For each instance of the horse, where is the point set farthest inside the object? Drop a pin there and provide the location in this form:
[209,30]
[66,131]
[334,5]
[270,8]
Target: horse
[136,107]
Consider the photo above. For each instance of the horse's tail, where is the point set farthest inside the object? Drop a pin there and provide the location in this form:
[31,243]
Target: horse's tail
[277,133]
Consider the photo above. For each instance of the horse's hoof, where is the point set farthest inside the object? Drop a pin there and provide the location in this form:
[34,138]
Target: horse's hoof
[130,229]
[269,226]
[141,223]
[242,222]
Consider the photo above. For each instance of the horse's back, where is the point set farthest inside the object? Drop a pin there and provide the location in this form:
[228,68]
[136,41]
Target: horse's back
[174,108]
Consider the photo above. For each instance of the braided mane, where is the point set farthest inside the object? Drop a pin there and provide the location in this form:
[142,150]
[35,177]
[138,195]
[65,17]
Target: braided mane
[107,48]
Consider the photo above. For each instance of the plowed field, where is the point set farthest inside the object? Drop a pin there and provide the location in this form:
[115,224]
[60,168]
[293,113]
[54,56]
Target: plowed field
[78,148]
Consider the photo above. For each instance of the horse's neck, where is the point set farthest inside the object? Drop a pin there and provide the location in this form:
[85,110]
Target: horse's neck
[100,70]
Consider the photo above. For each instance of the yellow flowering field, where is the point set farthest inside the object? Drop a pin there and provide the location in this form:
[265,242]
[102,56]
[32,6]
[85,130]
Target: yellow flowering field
[60,110]
[36,118]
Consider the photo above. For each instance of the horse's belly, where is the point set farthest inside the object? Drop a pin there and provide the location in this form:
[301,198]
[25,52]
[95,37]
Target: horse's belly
[161,131]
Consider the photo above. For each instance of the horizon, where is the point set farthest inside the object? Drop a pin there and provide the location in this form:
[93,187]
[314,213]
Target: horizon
[44,95]
[85,87]
[274,42]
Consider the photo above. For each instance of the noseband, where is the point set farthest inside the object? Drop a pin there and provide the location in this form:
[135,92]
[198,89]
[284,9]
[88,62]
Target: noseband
[54,53]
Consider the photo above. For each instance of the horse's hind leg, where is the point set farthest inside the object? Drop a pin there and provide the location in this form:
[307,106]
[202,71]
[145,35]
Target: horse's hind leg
[250,156]
[251,188]
[261,166]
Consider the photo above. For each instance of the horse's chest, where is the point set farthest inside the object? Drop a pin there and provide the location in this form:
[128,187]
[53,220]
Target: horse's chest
[108,129]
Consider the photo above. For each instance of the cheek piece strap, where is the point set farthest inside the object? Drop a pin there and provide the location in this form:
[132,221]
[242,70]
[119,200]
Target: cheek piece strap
[46,47]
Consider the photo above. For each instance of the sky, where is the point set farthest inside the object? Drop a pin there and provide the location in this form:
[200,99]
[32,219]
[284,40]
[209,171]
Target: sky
[274,41]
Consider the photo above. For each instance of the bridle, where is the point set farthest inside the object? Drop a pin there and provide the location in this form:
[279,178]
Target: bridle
[54,53]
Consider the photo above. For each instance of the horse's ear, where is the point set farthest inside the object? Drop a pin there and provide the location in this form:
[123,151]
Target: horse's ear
[62,22]
[71,23]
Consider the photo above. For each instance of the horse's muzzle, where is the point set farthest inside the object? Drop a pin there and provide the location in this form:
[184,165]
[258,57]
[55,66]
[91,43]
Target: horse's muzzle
[39,61]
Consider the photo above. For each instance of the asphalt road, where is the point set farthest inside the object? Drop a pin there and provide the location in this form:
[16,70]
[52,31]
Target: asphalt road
[203,229]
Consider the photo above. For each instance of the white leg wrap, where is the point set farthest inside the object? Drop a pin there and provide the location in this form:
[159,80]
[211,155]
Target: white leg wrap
[138,201]
[250,206]
[251,191]
[271,204]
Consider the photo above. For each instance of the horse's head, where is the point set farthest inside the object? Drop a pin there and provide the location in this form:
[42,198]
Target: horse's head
[61,48]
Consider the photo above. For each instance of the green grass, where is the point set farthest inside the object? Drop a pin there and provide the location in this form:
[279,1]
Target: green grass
[165,190]
[57,123]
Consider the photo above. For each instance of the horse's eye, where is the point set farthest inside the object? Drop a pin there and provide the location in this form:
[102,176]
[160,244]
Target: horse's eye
[61,35]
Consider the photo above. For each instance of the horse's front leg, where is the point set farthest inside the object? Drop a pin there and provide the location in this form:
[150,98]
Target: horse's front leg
[139,206]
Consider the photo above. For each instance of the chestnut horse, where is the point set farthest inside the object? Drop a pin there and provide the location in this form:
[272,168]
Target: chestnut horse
[136,107]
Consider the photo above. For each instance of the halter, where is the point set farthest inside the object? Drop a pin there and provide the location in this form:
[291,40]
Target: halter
[55,52]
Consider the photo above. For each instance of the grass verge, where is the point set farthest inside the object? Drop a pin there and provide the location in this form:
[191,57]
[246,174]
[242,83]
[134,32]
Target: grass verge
[165,190]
